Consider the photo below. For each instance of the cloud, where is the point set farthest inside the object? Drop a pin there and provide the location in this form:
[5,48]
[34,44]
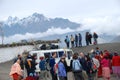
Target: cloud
[49,32]
[108,25]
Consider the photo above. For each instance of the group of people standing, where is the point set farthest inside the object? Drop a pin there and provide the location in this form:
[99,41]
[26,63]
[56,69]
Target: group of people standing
[86,67]
[89,66]
[76,41]
[82,67]
[89,37]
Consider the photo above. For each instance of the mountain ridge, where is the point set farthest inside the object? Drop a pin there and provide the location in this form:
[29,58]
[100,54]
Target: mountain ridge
[34,24]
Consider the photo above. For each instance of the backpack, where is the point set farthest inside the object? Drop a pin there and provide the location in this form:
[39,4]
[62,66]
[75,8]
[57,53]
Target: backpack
[96,36]
[76,66]
[65,40]
[90,36]
[94,67]
[47,64]
[28,64]
[42,65]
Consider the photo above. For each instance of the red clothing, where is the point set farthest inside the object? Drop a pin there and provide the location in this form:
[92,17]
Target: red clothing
[105,63]
[30,78]
[15,76]
[100,71]
[116,61]
[16,71]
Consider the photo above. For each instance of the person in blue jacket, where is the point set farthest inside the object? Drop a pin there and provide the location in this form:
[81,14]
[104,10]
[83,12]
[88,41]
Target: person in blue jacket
[61,69]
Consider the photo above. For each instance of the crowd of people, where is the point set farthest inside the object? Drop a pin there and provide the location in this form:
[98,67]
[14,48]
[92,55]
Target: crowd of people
[76,41]
[22,65]
[82,67]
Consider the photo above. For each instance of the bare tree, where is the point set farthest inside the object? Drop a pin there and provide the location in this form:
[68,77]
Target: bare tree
[1,33]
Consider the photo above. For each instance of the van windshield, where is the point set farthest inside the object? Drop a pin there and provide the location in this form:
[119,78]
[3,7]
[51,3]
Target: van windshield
[69,53]
[60,53]
[47,55]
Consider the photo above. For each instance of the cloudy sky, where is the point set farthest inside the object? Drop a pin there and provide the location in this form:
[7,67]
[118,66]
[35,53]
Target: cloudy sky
[102,16]
[73,10]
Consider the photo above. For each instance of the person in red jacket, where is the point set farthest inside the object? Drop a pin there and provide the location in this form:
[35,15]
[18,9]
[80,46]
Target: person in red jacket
[116,65]
[30,77]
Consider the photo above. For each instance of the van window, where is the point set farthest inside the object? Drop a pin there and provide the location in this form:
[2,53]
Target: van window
[60,53]
[47,55]
[56,54]
[34,55]
[69,53]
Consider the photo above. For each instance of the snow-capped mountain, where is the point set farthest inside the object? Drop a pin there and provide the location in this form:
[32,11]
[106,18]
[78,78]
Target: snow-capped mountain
[34,24]
[37,26]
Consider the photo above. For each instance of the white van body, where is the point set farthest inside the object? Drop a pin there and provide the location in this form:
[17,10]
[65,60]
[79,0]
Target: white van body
[59,52]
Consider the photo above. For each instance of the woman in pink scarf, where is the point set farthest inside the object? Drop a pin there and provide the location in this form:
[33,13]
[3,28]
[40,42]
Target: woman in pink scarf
[16,71]
[106,68]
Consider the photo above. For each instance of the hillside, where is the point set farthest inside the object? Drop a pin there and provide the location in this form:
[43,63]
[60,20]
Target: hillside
[116,39]
[112,47]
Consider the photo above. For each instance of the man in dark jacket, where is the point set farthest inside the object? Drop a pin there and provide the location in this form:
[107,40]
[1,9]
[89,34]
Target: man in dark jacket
[52,64]
[76,40]
[95,36]
[87,38]
[28,64]
[80,40]
[33,67]
[90,38]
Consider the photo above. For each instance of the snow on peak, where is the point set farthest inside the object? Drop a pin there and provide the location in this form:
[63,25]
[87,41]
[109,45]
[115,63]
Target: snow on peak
[11,20]
[35,17]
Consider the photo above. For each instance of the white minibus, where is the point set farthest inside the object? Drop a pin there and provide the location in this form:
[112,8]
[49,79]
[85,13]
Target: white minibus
[43,53]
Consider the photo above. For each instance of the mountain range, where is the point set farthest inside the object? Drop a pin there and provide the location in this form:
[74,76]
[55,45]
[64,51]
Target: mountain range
[45,28]
[34,24]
